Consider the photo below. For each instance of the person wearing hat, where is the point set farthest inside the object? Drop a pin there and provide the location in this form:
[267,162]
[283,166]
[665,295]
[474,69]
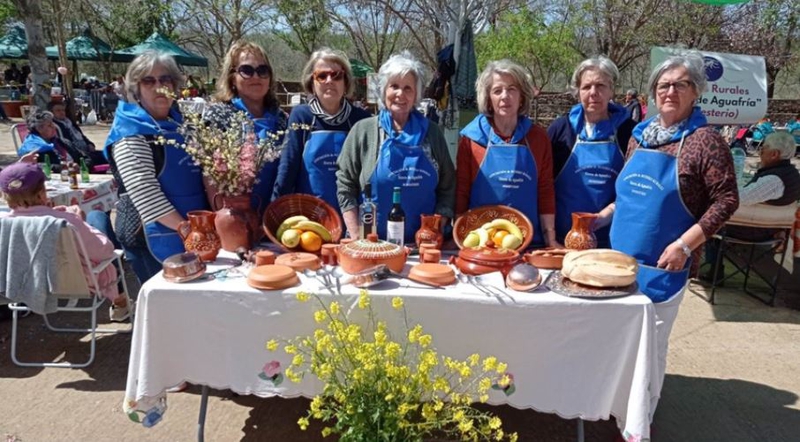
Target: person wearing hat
[22,186]
[43,139]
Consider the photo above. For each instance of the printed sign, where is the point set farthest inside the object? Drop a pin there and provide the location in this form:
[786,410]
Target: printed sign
[737,86]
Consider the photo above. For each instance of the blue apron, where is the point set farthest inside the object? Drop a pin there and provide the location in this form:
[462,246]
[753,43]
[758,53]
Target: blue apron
[410,169]
[182,184]
[508,175]
[586,184]
[265,180]
[650,214]
[318,169]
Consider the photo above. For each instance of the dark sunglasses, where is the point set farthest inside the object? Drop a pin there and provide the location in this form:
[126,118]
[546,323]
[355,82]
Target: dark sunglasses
[247,71]
[164,80]
[322,76]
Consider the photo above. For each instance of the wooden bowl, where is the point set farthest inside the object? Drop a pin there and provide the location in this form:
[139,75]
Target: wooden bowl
[475,218]
[549,258]
[315,209]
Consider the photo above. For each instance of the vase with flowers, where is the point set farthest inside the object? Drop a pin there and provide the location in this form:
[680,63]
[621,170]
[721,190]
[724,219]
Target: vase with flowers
[230,157]
[377,388]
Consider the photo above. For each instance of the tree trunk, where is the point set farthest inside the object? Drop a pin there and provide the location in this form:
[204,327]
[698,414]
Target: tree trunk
[31,13]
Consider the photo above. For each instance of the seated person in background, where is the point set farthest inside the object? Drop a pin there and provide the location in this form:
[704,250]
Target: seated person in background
[793,127]
[110,102]
[777,183]
[73,136]
[43,139]
[23,187]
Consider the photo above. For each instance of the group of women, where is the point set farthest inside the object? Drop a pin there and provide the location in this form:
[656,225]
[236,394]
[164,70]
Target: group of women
[668,183]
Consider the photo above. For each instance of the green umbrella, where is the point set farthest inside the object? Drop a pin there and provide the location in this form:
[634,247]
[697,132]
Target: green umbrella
[88,47]
[160,43]
[14,44]
[360,69]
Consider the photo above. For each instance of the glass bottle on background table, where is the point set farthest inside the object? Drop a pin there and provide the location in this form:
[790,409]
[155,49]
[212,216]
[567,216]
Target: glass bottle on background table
[46,167]
[366,213]
[84,171]
[396,222]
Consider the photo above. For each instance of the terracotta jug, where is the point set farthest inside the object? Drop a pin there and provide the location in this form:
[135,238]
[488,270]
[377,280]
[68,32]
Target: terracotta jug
[199,236]
[581,236]
[237,223]
[430,230]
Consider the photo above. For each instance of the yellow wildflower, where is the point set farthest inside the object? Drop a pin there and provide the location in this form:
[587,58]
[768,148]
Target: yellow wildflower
[363,299]
[320,316]
[489,363]
[272,345]
[303,423]
[425,340]
[302,296]
[291,349]
[298,360]
[334,308]
[501,368]
[495,423]
[397,302]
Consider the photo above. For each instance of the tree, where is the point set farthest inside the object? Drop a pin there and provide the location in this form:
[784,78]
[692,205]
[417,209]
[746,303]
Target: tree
[308,21]
[372,26]
[31,13]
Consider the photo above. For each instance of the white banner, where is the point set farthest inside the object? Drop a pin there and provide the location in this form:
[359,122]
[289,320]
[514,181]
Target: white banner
[737,86]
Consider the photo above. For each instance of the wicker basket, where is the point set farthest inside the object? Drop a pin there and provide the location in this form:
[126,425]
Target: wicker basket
[310,206]
[475,218]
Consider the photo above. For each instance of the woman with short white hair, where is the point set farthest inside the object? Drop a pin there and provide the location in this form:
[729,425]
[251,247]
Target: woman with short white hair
[503,157]
[589,145]
[396,148]
[308,158]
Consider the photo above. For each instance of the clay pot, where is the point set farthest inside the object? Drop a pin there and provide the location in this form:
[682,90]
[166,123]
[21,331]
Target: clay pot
[581,236]
[365,253]
[199,236]
[183,267]
[272,277]
[237,224]
[431,230]
[481,260]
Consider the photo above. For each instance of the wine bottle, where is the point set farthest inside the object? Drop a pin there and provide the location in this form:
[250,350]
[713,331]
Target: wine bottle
[396,223]
[366,213]
[84,171]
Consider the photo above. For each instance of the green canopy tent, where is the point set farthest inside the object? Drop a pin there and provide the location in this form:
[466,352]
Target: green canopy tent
[88,47]
[163,44]
[360,69]
[14,44]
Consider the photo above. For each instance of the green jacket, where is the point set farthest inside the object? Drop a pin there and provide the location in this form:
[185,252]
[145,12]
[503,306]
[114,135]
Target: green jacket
[359,158]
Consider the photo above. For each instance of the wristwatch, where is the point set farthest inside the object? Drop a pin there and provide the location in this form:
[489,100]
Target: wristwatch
[685,247]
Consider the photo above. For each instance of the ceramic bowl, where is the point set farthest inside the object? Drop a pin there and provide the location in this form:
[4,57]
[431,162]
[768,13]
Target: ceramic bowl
[549,258]
[183,267]
[481,260]
[477,217]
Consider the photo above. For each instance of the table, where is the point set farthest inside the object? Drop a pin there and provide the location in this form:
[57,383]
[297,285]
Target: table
[100,193]
[577,358]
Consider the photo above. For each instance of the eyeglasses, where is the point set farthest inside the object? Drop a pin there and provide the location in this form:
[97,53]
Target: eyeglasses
[247,71]
[164,80]
[322,76]
[680,86]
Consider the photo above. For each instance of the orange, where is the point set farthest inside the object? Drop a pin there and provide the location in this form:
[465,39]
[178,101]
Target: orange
[498,236]
[310,241]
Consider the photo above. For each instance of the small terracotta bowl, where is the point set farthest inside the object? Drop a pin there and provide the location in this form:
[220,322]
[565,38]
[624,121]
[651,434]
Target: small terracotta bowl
[549,258]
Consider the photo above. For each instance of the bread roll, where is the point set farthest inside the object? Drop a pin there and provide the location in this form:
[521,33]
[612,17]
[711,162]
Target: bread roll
[600,268]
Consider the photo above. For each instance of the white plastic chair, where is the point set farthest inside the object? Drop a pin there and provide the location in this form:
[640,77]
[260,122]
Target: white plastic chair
[18,133]
[70,287]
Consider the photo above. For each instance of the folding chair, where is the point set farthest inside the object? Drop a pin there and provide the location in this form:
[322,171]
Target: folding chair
[69,288]
[18,133]
[744,261]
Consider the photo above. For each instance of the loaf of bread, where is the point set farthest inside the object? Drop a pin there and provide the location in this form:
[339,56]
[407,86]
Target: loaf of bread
[600,268]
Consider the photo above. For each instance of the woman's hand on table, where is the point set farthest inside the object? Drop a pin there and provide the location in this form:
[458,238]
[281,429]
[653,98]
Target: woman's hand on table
[72,209]
[672,258]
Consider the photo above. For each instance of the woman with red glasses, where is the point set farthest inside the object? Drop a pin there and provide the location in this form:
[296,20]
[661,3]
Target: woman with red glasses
[158,182]
[308,159]
[247,85]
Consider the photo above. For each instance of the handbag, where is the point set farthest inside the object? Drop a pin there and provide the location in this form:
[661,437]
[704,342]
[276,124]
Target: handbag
[128,224]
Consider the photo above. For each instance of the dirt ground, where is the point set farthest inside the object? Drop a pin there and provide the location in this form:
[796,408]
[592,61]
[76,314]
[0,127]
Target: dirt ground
[732,376]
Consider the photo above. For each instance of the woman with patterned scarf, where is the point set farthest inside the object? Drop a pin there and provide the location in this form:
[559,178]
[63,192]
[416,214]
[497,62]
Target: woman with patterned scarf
[308,159]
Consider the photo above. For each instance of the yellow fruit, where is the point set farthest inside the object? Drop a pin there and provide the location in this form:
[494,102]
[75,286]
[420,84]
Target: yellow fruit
[289,223]
[497,238]
[510,242]
[291,238]
[310,242]
[472,240]
[315,227]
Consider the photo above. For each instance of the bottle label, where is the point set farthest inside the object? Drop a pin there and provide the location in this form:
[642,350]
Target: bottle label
[395,230]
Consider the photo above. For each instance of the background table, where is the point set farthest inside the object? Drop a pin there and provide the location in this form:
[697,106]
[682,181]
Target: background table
[578,358]
[100,193]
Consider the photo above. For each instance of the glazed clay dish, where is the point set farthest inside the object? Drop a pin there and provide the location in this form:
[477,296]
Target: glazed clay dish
[550,258]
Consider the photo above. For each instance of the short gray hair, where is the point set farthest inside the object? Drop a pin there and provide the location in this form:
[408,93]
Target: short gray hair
[483,85]
[143,65]
[399,65]
[632,92]
[599,63]
[782,142]
[692,61]
[37,118]
[331,56]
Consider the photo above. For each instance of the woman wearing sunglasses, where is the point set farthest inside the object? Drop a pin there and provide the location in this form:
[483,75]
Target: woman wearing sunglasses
[158,182]
[246,85]
[397,148]
[308,159]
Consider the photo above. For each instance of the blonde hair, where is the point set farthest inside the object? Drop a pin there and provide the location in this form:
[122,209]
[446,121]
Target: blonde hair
[226,91]
[29,198]
[504,67]
[330,56]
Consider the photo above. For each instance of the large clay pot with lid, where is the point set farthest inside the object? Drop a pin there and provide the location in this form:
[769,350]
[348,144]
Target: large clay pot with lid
[362,254]
[481,260]
[199,236]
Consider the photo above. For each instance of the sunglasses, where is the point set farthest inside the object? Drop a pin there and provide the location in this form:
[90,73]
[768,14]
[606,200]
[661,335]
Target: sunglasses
[164,80]
[247,71]
[322,76]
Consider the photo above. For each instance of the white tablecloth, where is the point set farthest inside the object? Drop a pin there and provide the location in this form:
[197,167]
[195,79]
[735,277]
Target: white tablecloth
[573,357]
